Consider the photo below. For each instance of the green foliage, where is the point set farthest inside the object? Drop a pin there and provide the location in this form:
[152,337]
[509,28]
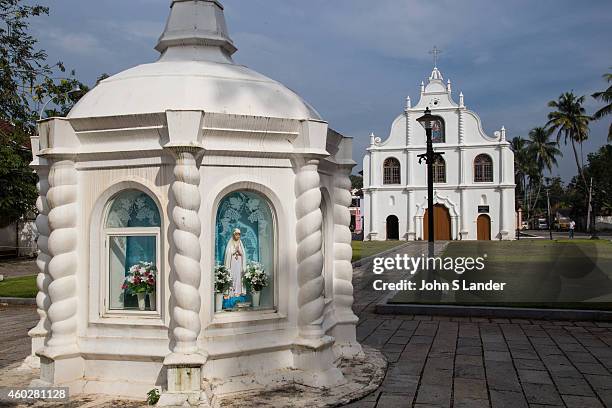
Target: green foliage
[27,83]
[21,64]
[17,181]
[605,97]
[600,170]
[571,123]
[356,181]
[543,150]
[153,396]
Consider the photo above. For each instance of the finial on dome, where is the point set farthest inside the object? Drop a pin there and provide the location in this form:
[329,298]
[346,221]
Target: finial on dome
[448,86]
[422,87]
[196,23]
[503,134]
[436,75]
[461,102]
[408,103]
[372,137]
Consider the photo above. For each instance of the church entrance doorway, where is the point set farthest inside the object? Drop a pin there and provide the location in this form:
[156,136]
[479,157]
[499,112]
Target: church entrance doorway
[442,223]
[483,228]
[392,227]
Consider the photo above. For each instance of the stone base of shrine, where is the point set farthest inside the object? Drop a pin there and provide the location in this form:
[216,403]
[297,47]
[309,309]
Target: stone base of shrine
[363,374]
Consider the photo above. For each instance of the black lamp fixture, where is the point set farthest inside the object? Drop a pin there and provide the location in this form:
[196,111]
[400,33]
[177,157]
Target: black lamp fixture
[427,121]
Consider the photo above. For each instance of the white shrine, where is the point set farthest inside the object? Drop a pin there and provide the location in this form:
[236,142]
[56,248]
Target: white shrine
[143,185]
[473,182]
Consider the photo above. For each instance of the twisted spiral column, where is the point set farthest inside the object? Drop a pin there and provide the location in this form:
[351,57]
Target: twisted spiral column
[42,261]
[309,254]
[343,269]
[186,237]
[62,246]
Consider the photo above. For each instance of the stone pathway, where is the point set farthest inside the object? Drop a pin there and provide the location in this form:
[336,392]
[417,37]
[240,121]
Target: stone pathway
[15,321]
[438,361]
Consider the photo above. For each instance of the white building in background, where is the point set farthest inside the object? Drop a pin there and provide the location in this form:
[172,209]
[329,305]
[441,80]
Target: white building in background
[474,182]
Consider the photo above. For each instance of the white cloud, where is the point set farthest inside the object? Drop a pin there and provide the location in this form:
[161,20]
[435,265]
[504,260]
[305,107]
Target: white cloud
[84,44]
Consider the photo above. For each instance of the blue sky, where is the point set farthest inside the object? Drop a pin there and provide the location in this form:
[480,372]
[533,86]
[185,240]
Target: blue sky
[356,60]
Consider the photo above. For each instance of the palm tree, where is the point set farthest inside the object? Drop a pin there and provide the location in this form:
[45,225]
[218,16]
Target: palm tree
[543,152]
[605,97]
[523,167]
[570,121]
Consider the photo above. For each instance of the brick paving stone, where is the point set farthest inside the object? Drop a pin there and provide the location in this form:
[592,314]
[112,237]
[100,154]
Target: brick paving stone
[471,403]
[588,368]
[574,386]
[600,381]
[534,377]
[507,399]
[502,356]
[434,395]
[395,401]
[581,402]
[501,376]
[469,371]
[542,394]
[469,389]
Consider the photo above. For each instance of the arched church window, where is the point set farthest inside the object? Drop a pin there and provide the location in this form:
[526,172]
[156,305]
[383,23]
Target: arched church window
[483,168]
[439,170]
[438,131]
[131,237]
[244,252]
[391,171]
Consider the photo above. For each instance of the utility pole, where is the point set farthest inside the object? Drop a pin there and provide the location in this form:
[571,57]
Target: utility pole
[548,211]
[590,209]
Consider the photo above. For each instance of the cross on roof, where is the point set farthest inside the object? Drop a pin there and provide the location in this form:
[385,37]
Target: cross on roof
[435,53]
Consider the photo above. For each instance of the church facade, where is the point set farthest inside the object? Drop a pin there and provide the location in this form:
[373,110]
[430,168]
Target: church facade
[473,182]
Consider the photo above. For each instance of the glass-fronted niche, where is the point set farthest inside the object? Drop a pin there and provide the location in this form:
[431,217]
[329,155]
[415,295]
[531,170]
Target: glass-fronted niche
[244,253]
[131,237]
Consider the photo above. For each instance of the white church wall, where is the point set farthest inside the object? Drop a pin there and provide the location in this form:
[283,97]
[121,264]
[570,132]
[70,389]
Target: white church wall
[464,141]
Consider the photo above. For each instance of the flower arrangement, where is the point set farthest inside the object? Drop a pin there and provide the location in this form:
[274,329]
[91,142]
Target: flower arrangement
[140,278]
[223,279]
[255,276]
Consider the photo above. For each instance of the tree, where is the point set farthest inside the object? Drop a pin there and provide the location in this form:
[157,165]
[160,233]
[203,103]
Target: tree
[356,181]
[17,181]
[26,81]
[605,97]
[600,170]
[570,121]
[543,153]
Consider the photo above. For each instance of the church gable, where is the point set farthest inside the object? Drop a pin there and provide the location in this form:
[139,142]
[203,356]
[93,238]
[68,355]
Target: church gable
[457,125]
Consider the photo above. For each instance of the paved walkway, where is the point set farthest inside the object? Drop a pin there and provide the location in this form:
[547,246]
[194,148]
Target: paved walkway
[15,321]
[474,362]
[442,362]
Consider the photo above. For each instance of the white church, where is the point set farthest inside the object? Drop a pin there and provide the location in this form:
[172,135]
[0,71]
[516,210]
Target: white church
[473,182]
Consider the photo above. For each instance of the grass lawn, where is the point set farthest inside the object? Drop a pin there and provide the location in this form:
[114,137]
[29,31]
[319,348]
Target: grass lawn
[538,273]
[363,249]
[20,287]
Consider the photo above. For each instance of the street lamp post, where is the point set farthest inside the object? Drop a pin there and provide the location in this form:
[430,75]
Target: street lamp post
[429,157]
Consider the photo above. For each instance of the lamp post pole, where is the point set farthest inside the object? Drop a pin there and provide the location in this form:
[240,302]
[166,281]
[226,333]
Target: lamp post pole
[430,157]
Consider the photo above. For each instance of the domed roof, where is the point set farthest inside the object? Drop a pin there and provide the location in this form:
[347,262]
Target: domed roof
[194,72]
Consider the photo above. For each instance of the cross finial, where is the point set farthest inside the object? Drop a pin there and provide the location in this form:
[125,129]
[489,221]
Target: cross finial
[435,52]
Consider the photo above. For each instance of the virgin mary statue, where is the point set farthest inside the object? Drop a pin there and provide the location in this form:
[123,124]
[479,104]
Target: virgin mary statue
[236,261]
